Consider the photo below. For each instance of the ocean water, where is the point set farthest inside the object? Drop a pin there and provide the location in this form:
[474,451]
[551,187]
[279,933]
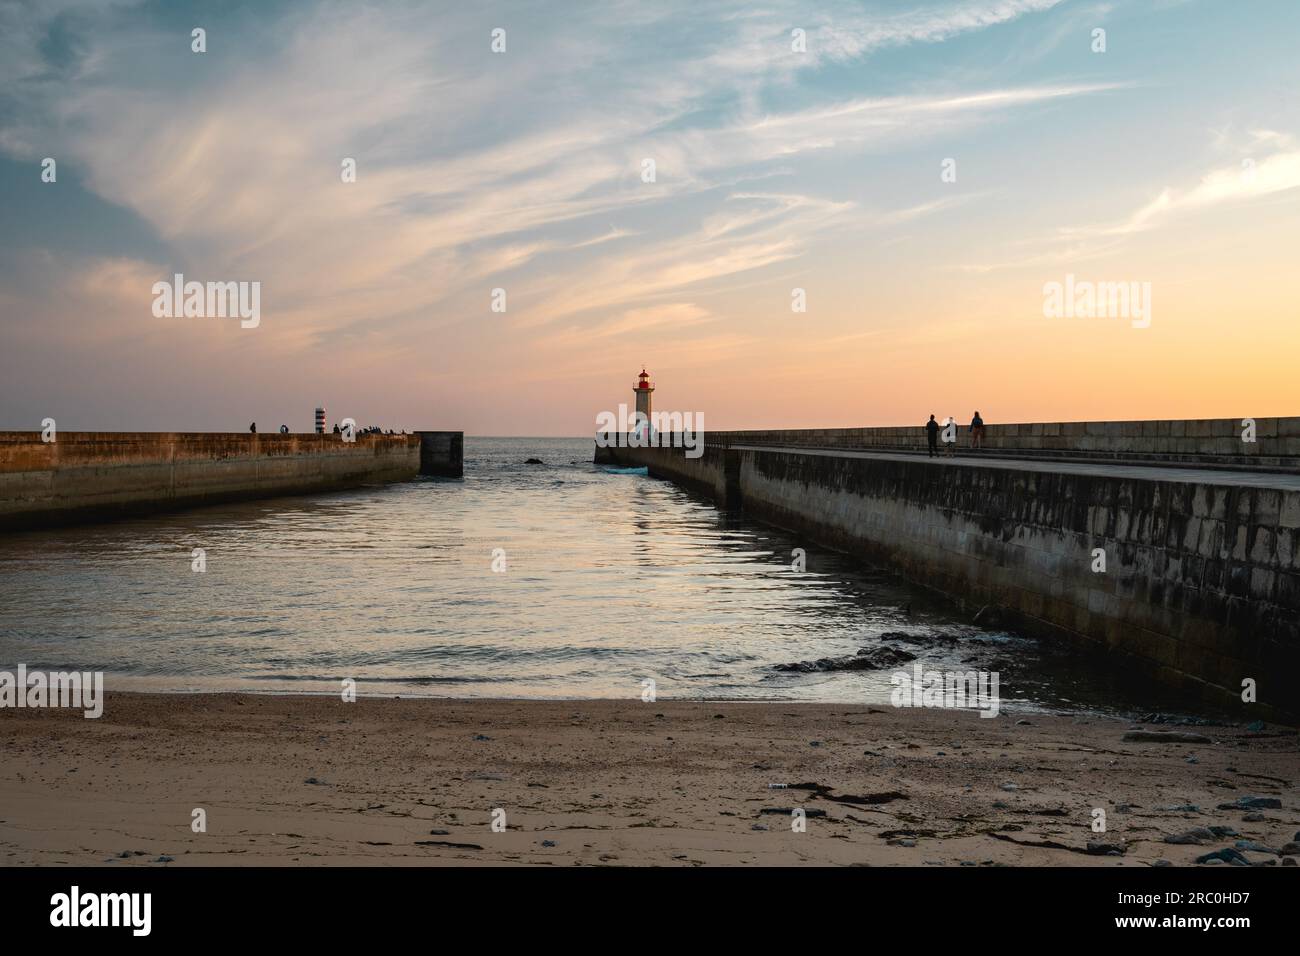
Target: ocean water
[604,578]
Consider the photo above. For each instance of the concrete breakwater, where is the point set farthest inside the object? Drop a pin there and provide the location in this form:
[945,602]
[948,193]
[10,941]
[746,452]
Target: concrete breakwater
[1187,575]
[92,476]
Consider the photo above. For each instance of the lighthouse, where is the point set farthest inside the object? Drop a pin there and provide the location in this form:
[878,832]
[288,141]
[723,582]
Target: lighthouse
[643,389]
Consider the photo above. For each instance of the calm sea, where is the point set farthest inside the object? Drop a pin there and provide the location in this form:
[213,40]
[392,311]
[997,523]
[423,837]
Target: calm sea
[606,579]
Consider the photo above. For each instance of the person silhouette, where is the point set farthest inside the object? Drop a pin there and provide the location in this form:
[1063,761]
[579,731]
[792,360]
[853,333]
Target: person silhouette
[932,435]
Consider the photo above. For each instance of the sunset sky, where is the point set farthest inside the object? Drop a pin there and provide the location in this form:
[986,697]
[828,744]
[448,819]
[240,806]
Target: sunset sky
[1171,158]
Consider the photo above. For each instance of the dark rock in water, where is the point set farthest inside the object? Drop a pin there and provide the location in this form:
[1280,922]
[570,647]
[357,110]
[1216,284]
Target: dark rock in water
[1172,719]
[534,461]
[866,659]
[922,638]
[1253,803]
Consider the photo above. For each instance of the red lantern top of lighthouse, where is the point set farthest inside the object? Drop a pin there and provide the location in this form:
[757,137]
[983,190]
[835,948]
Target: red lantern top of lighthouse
[644,382]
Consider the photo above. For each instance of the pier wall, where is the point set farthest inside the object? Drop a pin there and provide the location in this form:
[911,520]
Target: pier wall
[91,476]
[1208,442]
[1201,587]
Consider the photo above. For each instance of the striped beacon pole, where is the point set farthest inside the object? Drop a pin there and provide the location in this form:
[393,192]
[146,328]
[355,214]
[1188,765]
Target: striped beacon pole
[320,421]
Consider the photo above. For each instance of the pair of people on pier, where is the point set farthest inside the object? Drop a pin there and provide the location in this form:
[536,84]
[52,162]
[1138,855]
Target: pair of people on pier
[932,434]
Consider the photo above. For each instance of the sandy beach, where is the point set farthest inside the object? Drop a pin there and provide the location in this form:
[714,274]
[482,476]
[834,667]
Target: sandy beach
[314,780]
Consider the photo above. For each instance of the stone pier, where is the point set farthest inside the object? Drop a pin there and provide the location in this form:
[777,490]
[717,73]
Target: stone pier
[1199,531]
[96,476]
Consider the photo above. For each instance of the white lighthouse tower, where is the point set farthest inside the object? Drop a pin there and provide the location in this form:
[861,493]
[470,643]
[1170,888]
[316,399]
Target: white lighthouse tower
[643,389]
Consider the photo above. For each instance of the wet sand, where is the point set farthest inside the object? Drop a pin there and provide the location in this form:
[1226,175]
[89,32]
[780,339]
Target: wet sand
[315,781]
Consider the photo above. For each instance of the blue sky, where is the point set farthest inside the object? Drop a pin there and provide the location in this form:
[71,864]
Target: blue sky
[521,170]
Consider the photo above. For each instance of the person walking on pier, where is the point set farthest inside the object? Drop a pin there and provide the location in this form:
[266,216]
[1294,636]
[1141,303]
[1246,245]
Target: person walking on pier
[977,431]
[932,435]
[949,436]
[252,429]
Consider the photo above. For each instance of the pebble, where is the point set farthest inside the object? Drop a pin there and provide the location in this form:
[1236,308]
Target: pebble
[548,843]
[1253,803]
[1104,849]
[1226,855]
[1254,847]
